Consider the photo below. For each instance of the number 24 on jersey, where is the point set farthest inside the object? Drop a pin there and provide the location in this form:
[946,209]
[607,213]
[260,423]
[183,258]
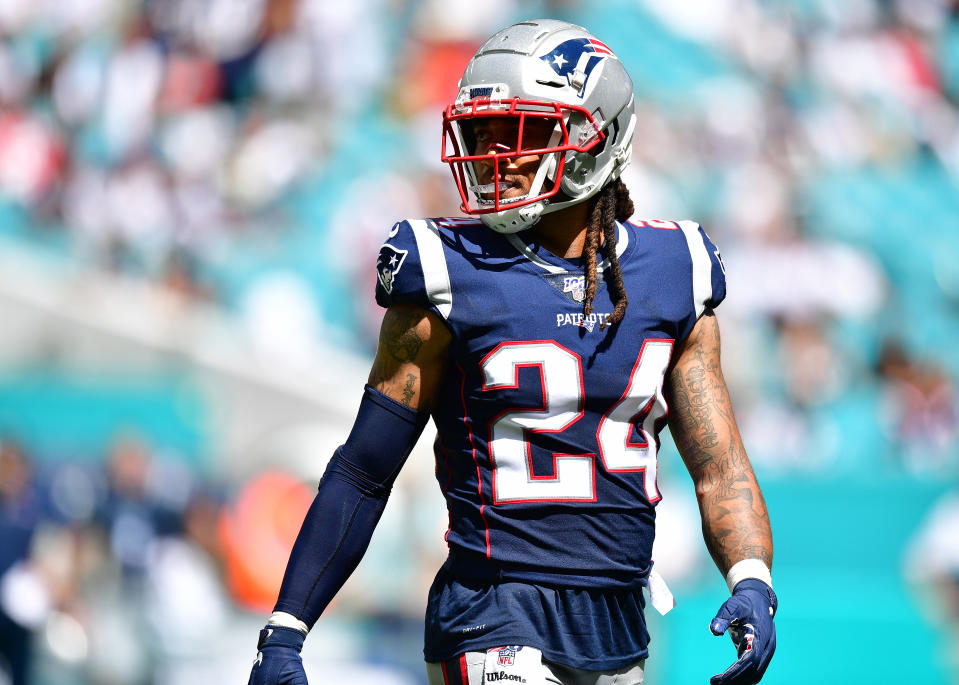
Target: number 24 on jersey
[561,374]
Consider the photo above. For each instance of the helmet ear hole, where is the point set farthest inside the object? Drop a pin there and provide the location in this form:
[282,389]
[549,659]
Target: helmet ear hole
[580,168]
[611,138]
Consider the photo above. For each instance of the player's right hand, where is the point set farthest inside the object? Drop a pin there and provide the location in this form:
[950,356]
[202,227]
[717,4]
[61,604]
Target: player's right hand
[278,659]
[748,616]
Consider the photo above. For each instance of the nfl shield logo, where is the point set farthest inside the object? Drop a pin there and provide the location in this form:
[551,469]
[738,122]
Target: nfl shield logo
[575,286]
[506,656]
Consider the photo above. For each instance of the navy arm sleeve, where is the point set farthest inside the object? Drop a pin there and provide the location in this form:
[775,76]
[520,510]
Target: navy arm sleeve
[348,504]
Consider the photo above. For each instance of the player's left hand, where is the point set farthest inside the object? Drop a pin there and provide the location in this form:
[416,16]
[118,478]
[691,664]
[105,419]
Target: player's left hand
[748,615]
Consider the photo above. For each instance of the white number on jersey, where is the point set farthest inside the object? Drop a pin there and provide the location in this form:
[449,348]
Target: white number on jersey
[638,405]
[562,382]
[561,374]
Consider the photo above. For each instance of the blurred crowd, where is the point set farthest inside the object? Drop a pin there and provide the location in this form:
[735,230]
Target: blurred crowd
[137,570]
[105,569]
[206,147]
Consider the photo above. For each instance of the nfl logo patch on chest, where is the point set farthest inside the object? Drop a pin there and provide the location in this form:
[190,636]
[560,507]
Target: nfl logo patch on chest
[575,287]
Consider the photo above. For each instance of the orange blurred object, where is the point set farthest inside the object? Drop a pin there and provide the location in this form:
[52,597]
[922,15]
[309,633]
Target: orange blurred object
[431,73]
[258,532]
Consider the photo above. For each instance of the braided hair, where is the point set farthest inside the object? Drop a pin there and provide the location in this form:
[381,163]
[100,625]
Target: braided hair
[611,204]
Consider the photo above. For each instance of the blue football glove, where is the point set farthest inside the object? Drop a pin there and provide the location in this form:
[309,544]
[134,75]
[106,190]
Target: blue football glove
[278,659]
[748,615]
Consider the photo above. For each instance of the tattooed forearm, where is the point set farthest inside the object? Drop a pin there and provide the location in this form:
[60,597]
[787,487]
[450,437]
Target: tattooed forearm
[735,521]
[734,515]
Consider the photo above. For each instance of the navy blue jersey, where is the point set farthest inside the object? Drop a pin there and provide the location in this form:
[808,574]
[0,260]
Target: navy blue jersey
[547,422]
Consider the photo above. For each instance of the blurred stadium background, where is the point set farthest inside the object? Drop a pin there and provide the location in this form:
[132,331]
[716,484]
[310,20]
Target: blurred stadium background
[192,194]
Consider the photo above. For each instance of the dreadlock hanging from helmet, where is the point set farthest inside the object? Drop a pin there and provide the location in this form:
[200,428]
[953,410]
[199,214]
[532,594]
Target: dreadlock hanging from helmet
[612,204]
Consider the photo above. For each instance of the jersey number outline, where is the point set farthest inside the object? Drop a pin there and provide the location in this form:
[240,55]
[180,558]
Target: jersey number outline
[573,478]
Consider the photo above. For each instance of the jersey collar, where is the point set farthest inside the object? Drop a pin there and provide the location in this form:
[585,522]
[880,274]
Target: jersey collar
[546,260]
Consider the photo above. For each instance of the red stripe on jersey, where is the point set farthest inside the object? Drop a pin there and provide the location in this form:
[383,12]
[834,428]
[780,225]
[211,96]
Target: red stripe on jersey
[479,479]
[449,479]
[463,670]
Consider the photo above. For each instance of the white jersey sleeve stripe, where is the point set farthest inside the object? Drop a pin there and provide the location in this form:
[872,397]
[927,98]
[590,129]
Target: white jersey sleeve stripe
[436,274]
[702,266]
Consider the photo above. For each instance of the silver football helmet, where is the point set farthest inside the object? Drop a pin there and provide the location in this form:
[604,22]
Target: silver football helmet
[571,97]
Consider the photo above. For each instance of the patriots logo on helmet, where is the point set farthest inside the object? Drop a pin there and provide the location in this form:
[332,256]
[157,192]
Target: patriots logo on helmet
[575,60]
[388,264]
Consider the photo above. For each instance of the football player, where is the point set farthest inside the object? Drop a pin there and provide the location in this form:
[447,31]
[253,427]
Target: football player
[545,336]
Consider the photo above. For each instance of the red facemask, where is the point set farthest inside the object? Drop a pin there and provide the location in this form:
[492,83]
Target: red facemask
[531,119]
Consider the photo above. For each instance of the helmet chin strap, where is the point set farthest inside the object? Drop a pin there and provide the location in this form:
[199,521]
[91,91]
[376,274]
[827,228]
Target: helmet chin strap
[514,220]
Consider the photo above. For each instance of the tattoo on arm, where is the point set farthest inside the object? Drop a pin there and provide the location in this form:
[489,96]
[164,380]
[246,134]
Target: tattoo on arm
[734,515]
[399,343]
[409,390]
[410,356]
[697,403]
[399,335]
